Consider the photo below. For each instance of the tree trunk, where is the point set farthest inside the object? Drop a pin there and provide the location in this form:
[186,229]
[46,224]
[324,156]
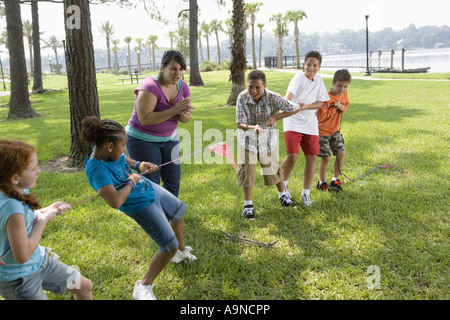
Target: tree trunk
[81,76]
[218,45]
[260,47]
[195,78]
[280,52]
[37,75]
[108,48]
[239,62]
[297,50]
[19,103]
[253,42]
[30,48]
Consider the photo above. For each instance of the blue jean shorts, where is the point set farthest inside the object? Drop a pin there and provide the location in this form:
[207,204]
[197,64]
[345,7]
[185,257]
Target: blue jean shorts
[154,218]
[159,153]
[53,276]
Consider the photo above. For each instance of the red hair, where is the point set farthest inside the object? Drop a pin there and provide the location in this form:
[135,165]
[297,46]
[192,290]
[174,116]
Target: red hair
[15,157]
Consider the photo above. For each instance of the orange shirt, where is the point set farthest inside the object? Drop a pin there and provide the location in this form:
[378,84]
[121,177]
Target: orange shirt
[329,117]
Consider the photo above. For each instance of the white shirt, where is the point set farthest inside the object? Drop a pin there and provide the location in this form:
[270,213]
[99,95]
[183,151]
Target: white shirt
[305,91]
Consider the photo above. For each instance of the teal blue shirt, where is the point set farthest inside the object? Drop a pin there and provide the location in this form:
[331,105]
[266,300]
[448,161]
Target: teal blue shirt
[101,173]
[12,270]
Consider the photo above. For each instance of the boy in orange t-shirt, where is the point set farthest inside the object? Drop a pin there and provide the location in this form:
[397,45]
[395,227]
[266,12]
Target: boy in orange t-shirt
[330,139]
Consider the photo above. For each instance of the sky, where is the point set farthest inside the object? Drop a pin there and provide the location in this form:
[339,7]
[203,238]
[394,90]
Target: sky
[322,16]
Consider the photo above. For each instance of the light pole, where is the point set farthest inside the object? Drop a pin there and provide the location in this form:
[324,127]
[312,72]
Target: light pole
[367,47]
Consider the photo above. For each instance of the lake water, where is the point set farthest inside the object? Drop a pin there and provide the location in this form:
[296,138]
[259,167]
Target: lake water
[437,59]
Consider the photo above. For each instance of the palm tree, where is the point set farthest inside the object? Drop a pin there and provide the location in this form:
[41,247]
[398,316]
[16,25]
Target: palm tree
[239,62]
[216,26]
[152,44]
[229,30]
[183,43]
[171,36]
[251,9]
[207,31]
[200,47]
[280,32]
[295,16]
[107,30]
[28,33]
[260,26]
[128,41]
[138,50]
[115,48]
[54,43]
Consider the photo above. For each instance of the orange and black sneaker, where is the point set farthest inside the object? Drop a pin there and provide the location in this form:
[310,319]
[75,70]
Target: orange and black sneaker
[322,186]
[335,185]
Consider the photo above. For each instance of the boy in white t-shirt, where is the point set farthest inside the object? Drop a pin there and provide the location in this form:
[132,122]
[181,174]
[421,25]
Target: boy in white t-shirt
[301,130]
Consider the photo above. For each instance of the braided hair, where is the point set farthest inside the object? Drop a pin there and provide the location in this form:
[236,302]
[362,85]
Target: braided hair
[15,158]
[98,132]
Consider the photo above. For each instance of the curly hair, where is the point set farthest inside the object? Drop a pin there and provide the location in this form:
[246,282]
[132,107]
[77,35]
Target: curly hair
[16,156]
[98,132]
[314,54]
[257,74]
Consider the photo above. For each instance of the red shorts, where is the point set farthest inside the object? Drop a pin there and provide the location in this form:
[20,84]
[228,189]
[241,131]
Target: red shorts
[309,143]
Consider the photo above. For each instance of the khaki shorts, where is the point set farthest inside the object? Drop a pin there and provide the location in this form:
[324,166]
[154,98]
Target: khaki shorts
[270,167]
[331,144]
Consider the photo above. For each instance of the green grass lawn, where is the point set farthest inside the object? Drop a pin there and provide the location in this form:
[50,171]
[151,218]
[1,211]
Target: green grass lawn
[396,222]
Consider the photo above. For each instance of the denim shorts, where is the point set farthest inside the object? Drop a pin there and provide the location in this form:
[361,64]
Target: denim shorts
[53,276]
[159,153]
[154,218]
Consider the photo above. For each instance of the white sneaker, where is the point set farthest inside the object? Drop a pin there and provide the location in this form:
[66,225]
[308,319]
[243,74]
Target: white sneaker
[183,255]
[286,190]
[306,200]
[143,292]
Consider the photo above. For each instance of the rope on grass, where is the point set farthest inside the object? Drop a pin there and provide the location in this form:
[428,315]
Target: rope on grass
[245,240]
[386,168]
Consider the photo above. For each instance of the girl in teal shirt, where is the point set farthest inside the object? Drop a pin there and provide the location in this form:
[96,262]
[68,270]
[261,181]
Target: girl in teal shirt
[26,270]
[156,210]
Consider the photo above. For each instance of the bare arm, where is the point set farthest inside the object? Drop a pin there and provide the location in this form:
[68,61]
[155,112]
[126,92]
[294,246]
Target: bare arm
[246,126]
[113,197]
[281,115]
[22,244]
[146,104]
[313,106]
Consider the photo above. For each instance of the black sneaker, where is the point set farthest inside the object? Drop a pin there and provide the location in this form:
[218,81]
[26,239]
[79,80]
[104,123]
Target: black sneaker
[287,201]
[322,186]
[335,185]
[249,212]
